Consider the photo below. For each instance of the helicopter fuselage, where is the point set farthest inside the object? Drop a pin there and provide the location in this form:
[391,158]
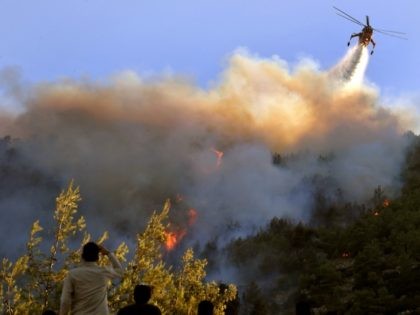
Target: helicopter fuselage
[365,37]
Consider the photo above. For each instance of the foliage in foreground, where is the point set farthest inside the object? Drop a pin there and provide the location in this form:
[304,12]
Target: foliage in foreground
[33,282]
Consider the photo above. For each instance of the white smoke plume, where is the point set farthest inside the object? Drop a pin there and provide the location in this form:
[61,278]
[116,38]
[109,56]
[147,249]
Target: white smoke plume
[351,69]
[130,143]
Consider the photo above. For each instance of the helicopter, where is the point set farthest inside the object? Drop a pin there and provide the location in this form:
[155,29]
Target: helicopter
[365,36]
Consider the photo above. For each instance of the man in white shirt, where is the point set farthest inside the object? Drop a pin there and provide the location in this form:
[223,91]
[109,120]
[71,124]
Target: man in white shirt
[85,287]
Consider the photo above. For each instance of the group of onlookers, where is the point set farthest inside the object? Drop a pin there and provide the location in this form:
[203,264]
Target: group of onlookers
[85,288]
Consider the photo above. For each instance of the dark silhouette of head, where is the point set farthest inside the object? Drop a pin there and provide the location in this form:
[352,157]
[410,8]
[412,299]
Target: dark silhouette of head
[142,293]
[49,312]
[90,252]
[303,308]
[205,308]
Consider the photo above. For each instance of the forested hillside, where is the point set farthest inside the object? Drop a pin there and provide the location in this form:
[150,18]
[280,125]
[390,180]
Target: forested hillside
[348,258]
[369,264]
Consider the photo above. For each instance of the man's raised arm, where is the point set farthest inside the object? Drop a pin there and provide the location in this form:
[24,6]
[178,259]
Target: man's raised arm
[116,271]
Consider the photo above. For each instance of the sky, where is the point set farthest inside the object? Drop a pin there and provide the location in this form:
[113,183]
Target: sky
[48,40]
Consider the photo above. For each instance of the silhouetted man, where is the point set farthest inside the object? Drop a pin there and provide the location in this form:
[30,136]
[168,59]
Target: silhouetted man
[303,308]
[85,287]
[142,295]
[205,308]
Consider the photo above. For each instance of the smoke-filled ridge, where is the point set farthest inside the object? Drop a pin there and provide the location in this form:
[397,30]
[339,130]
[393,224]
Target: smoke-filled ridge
[132,143]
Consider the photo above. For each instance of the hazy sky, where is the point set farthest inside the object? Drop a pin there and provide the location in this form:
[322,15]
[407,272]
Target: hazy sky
[50,39]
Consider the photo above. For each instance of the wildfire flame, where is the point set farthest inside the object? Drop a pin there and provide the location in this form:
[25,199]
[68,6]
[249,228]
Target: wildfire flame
[219,156]
[174,235]
[385,204]
[173,238]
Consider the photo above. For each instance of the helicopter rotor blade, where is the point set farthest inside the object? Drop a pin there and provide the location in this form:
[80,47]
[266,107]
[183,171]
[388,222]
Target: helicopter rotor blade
[388,31]
[343,16]
[392,35]
[348,15]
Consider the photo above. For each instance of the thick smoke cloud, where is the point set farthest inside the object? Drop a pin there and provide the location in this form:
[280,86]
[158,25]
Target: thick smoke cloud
[130,144]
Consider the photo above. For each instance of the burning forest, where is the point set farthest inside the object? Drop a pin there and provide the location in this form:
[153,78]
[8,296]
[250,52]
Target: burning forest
[131,143]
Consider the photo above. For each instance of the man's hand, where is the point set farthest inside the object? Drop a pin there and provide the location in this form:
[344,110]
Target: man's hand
[103,250]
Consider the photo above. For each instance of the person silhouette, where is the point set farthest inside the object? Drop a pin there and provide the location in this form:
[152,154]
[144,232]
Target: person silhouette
[142,295]
[205,307]
[85,287]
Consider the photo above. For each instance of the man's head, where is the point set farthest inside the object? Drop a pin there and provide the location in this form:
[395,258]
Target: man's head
[142,293]
[90,252]
[205,308]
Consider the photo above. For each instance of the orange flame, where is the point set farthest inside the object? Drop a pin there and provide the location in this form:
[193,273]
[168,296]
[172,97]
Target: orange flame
[219,156]
[173,236]
[173,239]
[386,203]
[376,213]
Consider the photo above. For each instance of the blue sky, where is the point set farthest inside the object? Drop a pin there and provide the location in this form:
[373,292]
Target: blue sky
[51,39]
